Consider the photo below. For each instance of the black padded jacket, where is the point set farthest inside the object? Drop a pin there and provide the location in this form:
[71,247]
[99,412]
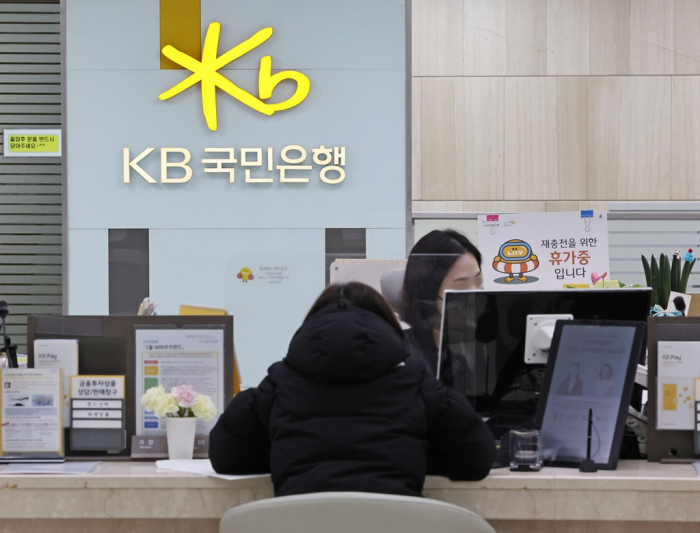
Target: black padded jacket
[349,410]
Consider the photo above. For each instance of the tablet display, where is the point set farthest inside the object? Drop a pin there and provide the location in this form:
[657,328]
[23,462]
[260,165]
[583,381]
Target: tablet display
[591,367]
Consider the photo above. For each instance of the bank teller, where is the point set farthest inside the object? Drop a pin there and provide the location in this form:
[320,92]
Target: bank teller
[441,260]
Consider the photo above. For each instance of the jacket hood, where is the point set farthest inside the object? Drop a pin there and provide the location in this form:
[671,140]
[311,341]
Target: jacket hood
[342,345]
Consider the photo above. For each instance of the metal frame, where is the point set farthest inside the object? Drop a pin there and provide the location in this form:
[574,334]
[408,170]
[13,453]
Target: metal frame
[410,227]
[612,215]
[64,159]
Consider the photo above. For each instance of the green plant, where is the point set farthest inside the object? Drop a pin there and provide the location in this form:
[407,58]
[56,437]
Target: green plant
[665,276]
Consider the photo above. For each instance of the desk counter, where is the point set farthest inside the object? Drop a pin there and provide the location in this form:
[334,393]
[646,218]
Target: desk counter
[137,497]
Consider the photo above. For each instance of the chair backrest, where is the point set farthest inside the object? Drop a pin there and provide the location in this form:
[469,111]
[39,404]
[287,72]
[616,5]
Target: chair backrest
[367,271]
[391,284]
[351,512]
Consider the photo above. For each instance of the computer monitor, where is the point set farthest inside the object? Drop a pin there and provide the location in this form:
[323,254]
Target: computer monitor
[483,339]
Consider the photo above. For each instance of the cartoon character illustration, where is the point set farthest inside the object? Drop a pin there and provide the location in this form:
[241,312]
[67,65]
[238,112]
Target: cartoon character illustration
[246,274]
[515,257]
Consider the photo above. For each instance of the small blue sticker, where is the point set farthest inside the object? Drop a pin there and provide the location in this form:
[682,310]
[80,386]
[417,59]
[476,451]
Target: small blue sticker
[587,214]
[151,425]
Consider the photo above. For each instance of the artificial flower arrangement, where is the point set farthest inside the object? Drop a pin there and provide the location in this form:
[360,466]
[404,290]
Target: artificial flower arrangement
[182,402]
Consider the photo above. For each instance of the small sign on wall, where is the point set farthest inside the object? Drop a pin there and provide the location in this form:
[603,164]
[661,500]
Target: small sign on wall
[32,143]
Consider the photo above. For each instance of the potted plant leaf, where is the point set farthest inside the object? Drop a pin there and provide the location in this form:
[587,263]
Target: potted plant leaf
[665,276]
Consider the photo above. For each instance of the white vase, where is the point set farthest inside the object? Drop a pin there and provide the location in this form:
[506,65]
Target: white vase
[181,432]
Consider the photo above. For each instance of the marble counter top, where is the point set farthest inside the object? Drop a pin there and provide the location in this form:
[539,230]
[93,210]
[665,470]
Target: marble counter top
[636,491]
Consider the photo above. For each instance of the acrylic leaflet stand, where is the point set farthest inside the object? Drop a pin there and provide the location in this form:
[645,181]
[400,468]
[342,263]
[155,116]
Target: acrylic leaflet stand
[668,446]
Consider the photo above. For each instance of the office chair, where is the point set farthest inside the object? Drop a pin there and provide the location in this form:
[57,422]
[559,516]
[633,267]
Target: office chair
[391,284]
[351,512]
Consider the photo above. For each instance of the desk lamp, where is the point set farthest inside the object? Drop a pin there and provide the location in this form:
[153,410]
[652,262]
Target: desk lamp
[10,350]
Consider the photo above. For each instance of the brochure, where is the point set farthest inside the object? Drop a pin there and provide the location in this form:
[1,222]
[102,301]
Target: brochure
[30,404]
[63,354]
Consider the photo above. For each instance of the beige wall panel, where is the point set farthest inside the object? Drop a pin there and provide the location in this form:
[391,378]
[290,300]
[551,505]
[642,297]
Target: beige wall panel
[685,171]
[526,37]
[545,138]
[438,207]
[575,206]
[651,37]
[483,207]
[629,138]
[416,123]
[503,207]
[438,37]
[687,37]
[571,138]
[568,34]
[439,166]
[610,37]
[484,37]
[462,139]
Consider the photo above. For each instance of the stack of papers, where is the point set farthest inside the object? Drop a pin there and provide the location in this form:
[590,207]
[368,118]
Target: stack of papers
[199,466]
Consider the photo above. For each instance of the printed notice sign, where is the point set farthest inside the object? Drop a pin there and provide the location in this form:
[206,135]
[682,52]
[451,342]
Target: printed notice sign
[32,143]
[539,251]
[105,387]
[31,412]
[173,357]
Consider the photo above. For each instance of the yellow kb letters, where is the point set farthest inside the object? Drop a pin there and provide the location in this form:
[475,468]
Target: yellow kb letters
[206,73]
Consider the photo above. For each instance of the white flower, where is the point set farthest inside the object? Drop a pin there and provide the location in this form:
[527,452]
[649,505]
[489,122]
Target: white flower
[165,404]
[152,395]
[204,408]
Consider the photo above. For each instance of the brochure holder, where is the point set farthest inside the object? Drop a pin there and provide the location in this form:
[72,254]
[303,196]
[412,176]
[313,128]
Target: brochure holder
[107,347]
[668,446]
[168,357]
[31,416]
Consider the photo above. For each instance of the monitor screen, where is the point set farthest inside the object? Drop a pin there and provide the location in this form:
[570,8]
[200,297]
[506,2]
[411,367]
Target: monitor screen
[483,339]
[589,374]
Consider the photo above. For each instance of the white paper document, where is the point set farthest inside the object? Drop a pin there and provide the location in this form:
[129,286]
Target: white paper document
[199,466]
[72,468]
[173,357]
[678,367]
[31,412]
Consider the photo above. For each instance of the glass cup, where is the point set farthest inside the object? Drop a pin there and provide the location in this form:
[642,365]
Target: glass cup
[525,450]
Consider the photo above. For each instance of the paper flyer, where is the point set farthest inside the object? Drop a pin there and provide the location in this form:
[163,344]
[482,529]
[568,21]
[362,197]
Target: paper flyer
[63,354]
[31,412]
[542,251]
[173,357]
[679,366]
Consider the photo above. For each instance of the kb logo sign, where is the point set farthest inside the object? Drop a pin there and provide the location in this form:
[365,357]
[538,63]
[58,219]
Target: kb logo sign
[207,73]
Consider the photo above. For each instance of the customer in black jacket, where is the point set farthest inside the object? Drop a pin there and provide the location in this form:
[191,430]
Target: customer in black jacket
[349,410]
